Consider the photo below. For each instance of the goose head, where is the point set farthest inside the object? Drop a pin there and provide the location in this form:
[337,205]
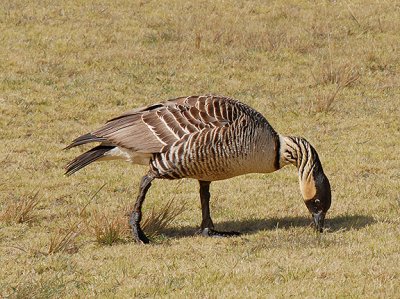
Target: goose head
[320,200]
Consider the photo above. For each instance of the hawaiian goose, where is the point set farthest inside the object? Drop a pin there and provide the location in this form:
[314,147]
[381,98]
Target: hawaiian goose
[207,138]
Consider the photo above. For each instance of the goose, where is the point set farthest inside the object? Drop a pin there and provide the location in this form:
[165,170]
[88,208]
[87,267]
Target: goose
[207,138]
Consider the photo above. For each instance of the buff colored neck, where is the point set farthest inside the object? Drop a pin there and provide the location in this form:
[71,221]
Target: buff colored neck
[300,153]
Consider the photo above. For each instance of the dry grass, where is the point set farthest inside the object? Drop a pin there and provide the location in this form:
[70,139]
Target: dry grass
[160,218]
[340,78]
[20,210]
[64,242]
[108,230]
[67,67]
[112,228]
[343,75]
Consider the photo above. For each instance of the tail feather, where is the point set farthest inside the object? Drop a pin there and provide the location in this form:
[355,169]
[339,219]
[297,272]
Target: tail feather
[86,158]
[87,138]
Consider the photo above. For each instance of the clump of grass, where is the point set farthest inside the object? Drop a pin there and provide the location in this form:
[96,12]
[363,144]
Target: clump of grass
[64,242]
[21,210]
[340,77]
[108,230]
[159,219]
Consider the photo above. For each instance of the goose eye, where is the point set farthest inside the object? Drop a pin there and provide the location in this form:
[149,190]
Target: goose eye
[317,201]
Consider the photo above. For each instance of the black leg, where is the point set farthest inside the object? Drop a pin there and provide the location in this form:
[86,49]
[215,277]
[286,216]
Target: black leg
[136,216]
[207,226]
[206,221]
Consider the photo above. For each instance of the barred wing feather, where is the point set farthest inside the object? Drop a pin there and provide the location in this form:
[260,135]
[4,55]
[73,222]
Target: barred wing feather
[154,128]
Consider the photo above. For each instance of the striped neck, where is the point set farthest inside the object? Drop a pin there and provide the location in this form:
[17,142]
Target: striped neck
[299,152]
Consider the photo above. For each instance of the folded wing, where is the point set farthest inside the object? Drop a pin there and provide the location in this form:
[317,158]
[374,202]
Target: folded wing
[154,128]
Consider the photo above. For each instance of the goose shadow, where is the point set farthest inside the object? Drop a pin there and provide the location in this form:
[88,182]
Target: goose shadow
[252,226]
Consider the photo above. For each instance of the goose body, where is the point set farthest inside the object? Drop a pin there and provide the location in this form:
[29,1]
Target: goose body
[207,138]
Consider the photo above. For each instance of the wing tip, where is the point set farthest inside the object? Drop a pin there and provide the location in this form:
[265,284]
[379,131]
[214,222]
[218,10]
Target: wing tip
[86,138]
[86,158]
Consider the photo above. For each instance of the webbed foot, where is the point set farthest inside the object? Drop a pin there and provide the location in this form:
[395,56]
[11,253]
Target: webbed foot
[139,236]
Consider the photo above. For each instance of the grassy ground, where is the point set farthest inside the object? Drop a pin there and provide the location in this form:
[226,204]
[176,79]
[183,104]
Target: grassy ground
[325,70]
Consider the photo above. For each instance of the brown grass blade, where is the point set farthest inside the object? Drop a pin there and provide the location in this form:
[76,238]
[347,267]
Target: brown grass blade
[161,218]
[340,77]
[106,229]
[21,210]
[64,242]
